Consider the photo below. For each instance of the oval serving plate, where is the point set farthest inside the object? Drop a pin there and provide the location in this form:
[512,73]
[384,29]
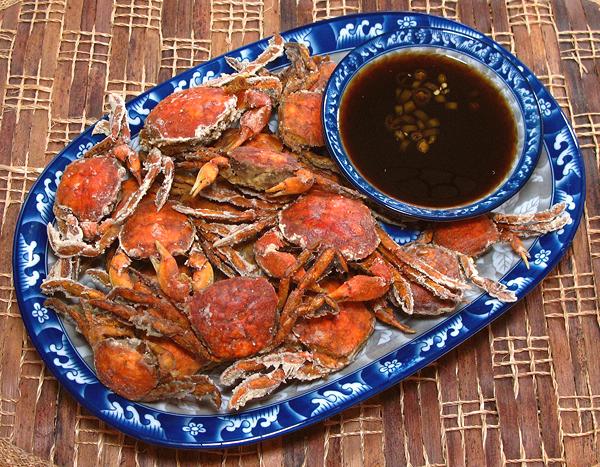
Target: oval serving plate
[388,357]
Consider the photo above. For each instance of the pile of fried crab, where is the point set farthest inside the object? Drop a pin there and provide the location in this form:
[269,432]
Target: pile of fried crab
[224,248]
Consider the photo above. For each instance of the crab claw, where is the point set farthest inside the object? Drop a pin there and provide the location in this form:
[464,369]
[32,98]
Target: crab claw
[517,245]
[119,277]
[203,275]
[360,289]
[300,183]
[208,174]
[175,285]
[254,120]
[125,154]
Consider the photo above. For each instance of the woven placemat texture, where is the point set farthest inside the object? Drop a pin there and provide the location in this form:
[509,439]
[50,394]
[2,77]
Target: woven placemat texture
[525,391]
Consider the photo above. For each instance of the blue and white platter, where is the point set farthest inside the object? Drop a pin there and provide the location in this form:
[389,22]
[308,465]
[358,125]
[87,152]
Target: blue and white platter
[387,358]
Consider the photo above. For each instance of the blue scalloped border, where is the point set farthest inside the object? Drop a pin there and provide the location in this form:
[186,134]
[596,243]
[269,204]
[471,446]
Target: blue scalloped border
[185,431]
[448,40]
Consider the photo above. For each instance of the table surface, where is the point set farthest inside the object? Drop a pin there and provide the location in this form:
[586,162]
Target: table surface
[524,391]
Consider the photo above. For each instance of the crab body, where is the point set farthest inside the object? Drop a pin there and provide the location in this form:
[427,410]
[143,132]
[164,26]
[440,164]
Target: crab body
[92,202]
[300,111]
[235,317]
[330,220]
[198,116]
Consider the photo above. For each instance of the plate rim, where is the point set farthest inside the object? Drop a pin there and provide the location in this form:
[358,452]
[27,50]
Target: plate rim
[124,424]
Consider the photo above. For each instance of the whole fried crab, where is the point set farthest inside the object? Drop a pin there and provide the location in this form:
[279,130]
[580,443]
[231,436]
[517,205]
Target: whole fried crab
[90,204]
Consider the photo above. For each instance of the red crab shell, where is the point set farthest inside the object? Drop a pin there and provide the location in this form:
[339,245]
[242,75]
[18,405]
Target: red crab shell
[300,120]
[125,368]
[324,219]
[340,335]
[197,113]
[471,237]
[259,168]
[235,317]
[90,187]
[147,225]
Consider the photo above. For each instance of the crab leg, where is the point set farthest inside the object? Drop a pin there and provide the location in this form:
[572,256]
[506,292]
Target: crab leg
[174,284]
[72,311]
[318,161]
[495,289]
[246,232]
[130,157]
[538,228]
[164,308]
[220,192]
[155,325]
[70,288]
[219,216]
[516,244]
[314,307]
[100,276]
[289,314]
[218,256]
[287,365]
[386,315]
[153,166]
[421,279]
[117,270]
[402,294]
[203,274]
[74,245]
[273,51]
[410,263]
[93,327]
[360,288]
[168,170]
[215,258]
[274,262]
[195,386]
[67,268]
[300,183]
[114,128]
[548,215]
[253,121]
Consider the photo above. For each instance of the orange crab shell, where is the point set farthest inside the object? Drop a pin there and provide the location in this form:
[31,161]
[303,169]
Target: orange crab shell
[201,112]
[147,225]
[235,317]
[326,219]
[471,237]
[90,187]
[300,120]
[265,141]
[259,168]
[340,335]
[124,369]
[174,359]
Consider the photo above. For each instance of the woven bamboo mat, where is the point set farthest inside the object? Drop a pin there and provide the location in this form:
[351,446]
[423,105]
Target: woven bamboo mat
[525,391]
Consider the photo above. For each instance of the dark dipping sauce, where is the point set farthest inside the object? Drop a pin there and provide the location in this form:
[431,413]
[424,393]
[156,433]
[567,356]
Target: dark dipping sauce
[473,152]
